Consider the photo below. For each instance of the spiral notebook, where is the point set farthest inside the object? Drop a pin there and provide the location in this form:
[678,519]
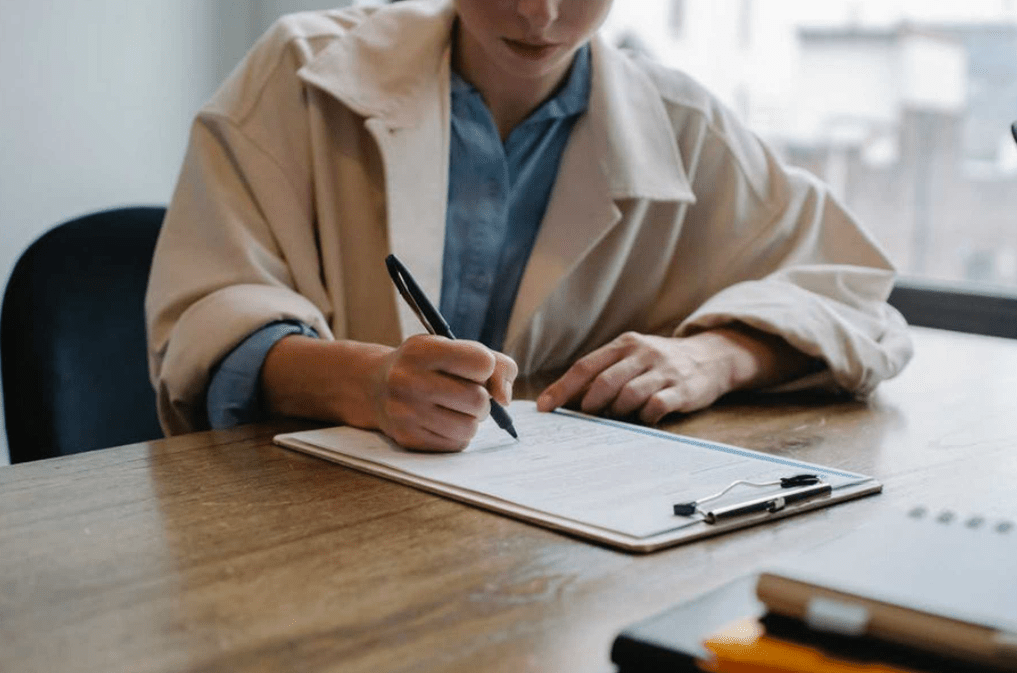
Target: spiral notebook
[603,480]
[935,581]
[947,580]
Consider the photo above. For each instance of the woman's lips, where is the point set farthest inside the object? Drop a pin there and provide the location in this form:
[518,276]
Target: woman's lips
[530,50]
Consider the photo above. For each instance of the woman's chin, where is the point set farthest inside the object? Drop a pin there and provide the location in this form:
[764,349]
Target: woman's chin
[532,61]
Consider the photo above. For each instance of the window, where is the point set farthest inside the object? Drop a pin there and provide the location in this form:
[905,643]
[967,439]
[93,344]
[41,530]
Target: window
[745,21]
[677,21]
[904,108]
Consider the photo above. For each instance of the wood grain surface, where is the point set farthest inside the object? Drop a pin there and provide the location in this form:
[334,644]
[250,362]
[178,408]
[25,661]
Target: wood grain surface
[221,552]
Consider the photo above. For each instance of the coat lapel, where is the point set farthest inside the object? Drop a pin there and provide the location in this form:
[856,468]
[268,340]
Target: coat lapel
[623,148]
[394,70]
[416,188]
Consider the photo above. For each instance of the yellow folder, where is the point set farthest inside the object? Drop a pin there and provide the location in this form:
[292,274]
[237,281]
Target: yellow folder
[744,647]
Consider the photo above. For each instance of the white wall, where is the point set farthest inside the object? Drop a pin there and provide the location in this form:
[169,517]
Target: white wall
[96,98]
[267,11]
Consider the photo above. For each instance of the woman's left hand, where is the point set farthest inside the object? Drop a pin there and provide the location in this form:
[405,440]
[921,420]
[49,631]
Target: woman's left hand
[655,376]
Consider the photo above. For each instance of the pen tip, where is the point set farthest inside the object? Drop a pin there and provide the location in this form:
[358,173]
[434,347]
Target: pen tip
[512,431]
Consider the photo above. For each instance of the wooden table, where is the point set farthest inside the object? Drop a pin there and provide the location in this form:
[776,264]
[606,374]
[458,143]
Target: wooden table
[221,552]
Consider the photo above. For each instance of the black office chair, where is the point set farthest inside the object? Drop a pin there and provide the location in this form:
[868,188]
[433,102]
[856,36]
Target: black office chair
[72,337]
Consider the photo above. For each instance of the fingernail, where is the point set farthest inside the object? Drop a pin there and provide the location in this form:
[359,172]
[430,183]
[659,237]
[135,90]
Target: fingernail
[508,392]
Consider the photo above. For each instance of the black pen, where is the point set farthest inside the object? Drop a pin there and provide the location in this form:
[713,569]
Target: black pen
[435,324]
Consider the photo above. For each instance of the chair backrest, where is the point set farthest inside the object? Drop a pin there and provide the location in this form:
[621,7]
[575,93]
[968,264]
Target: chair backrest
[72,337]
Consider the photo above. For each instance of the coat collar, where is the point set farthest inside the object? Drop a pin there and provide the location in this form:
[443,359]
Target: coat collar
[623,148]
[393,68]
[631,126]
[385,67]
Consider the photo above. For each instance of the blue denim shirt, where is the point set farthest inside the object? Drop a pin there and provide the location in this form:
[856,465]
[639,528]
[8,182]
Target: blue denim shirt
[497,197]
[498,194]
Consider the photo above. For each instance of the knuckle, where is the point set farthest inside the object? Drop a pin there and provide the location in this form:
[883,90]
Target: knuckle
[628,396]
[595,399]
[657,406]
[584,367]
[631,387]
[403,437]
[599,388]
[413,348]
[508,366]
[631,338]
[650,417]
[683,387]
[399,382]
[462,432]
[488,363]
[479,361]
[478,400]
[415,342]
[425,346]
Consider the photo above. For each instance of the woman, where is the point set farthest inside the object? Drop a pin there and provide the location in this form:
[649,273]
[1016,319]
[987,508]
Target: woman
[573,207]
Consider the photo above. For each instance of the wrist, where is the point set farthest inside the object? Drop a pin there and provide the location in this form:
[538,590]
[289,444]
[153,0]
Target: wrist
[330,381]
[739,360]
[757,359]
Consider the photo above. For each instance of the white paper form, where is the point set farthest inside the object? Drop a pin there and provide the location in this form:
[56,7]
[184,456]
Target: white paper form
[612,476]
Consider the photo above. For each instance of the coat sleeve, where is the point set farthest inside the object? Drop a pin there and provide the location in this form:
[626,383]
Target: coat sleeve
[237,251]
[240,245]
[782,255]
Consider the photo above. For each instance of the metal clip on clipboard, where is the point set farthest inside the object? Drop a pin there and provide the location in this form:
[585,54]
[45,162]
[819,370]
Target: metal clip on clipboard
[800,487]
[768,503]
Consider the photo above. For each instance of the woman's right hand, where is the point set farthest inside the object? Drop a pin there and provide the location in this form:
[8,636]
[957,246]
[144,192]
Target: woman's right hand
[432,393]
[428,394]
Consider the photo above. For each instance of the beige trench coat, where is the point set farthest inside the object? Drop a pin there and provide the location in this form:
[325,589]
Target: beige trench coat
[328,148]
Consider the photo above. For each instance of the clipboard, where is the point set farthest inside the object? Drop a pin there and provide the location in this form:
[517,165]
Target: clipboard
[602,480]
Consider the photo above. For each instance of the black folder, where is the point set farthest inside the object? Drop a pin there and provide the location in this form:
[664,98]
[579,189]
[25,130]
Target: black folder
[672,641]
[936,561]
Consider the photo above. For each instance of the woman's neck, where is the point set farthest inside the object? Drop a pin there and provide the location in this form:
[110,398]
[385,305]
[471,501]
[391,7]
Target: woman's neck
[510,99]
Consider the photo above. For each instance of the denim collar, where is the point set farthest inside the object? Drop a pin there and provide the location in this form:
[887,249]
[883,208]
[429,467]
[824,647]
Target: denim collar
[572,98]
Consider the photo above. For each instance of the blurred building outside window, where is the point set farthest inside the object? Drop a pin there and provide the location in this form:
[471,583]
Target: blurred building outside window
[902,106]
